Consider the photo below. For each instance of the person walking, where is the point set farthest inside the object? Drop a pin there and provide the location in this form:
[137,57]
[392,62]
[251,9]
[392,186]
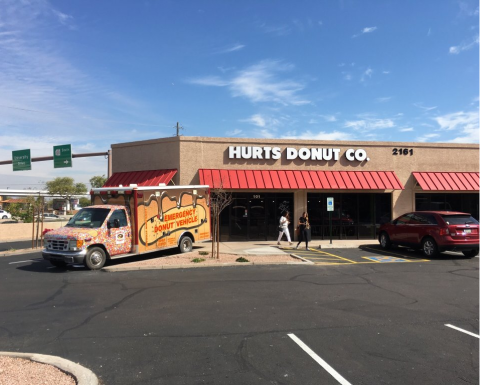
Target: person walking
[303,230]
[283,227]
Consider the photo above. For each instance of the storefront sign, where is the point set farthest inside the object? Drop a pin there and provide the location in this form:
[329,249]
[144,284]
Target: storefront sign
[316,153]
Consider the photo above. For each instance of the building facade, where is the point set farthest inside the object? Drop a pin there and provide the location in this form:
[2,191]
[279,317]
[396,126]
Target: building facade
[370,182]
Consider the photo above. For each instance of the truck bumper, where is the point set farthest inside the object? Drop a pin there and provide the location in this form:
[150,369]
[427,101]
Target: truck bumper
[65,256]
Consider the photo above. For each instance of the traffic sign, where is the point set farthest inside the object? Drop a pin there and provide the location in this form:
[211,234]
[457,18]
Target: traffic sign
[62,156]
[21,160]
[330,204]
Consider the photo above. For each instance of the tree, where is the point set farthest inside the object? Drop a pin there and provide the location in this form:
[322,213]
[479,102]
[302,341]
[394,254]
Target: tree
[84,202]
[218,201]
[98,181]
[65,187]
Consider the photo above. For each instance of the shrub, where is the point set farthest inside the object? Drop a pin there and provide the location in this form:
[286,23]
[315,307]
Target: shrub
[241,259]
[203,252]
[197,260]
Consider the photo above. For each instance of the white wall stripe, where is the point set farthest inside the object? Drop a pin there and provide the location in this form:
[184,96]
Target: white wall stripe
[319,360]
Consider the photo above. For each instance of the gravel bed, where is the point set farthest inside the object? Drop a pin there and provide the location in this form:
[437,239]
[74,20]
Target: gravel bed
[187,259]
[19,371]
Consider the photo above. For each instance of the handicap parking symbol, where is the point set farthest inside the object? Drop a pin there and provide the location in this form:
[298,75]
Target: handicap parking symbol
[387,259]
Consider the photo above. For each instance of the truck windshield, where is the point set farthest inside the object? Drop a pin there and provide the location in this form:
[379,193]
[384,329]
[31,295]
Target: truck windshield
[88,217]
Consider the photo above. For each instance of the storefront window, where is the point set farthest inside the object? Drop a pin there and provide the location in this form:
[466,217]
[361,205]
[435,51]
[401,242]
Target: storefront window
[463,202]
[255,216]
[355,215]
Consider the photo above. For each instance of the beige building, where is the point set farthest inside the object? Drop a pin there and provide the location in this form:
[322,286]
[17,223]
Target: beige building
[370,182]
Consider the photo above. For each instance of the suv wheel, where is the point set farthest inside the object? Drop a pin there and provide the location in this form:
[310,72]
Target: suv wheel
[470,253]
[385,240]
[429,247]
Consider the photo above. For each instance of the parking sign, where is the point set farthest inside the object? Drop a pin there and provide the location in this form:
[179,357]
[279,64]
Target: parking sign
[329,204]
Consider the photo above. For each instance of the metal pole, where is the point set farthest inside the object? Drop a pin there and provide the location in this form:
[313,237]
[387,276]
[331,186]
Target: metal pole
[330,220]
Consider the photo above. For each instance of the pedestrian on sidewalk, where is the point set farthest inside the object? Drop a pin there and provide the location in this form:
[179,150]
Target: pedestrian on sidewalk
[283,227]
[303,230]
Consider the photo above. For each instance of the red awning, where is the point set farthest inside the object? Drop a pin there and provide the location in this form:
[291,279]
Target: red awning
[448,181]
[289,179]
[140,178]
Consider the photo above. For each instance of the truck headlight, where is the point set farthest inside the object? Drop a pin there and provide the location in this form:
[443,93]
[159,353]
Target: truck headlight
[75,245]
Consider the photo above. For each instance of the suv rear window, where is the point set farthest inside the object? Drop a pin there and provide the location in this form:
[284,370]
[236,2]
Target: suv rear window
[459,219]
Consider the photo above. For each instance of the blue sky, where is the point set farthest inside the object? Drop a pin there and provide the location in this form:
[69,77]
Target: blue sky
[92,73]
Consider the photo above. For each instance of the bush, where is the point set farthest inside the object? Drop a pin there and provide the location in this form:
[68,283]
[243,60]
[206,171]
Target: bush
[241,259]
[203,252]
[197,260]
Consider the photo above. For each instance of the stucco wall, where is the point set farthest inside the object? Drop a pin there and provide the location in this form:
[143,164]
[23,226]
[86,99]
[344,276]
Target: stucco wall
[188,154]
[23,231]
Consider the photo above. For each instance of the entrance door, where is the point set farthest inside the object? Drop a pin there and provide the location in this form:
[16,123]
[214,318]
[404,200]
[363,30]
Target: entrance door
[257,218]
[239,219]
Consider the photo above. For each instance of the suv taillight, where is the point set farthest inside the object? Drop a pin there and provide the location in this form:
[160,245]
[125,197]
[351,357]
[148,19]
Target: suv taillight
[444,231]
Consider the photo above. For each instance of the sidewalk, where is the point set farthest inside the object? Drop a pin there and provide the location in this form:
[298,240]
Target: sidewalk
[269,247]
[252,247]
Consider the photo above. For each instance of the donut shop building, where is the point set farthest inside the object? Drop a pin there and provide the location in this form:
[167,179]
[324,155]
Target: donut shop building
[370,182]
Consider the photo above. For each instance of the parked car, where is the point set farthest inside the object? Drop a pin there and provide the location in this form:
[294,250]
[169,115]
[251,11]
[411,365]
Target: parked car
[432,232]
[49,217]
[5,214]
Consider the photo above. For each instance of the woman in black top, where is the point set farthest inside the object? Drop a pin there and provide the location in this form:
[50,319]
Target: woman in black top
[304,230]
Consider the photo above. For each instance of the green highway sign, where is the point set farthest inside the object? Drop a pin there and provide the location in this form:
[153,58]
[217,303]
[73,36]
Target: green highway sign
[21,160]
[62,156]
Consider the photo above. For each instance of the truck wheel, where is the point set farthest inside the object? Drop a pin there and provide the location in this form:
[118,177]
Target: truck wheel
[385,241]
[58,263]
[470,253]
[186,244]
[95,258]
[429,247]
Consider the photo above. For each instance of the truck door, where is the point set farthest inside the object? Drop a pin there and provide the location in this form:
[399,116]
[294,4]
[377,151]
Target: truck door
[119,233]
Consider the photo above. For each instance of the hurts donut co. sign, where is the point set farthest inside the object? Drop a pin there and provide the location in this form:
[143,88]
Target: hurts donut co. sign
[290,153]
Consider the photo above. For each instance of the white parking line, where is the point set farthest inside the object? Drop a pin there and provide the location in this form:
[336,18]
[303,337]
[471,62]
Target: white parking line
[325,366]
[463,331]
[29,260]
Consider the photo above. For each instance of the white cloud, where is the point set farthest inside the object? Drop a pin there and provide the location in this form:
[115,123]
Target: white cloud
[321,135]
[366,30]
[419,105]
[406,129]
[236,47]
[234,132]
[257,120]
[464,124]
[383,99]
[368,73]
[427,137]
[260,83]
[369,124]
[455,50]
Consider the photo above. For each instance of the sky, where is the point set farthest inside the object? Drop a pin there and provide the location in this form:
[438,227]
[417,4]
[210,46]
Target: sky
[95,73]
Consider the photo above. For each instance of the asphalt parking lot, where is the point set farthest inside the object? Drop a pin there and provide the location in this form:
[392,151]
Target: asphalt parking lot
[366,254]
[367,322]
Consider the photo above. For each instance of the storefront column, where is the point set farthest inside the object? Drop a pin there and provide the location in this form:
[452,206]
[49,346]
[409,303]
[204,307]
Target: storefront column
[300,204]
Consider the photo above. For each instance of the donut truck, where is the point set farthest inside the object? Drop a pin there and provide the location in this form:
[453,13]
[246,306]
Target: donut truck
[131,221]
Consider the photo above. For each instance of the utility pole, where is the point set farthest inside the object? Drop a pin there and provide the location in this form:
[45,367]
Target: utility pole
[178,129]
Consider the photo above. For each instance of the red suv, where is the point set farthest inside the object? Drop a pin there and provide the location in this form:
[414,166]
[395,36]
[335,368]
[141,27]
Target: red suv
[433,232]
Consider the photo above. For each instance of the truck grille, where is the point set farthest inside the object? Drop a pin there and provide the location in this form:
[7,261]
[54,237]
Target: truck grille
[57,245]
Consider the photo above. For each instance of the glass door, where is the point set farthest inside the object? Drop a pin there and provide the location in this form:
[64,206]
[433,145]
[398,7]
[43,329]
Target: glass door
[257,217]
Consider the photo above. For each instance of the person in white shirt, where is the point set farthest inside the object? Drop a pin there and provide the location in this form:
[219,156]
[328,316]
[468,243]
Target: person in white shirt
[283,227]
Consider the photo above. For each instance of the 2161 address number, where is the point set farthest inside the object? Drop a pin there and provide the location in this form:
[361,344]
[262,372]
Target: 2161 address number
[402,151]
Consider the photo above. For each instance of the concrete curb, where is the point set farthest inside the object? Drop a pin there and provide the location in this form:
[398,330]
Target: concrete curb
[83,375]
[114,269]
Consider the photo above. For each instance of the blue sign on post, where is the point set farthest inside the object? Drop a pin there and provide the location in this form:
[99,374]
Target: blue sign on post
[330,204]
